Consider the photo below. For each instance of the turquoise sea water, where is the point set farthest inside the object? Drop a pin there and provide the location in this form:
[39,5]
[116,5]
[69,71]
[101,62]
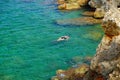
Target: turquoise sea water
[28,31]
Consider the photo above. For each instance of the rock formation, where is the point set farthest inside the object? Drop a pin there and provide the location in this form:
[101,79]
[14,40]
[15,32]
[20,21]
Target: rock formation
[72,73]
[102,6]
[107,58]
[71,4]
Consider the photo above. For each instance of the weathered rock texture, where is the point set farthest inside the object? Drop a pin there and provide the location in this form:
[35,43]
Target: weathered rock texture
[104,3]
[107,58]
[102,6]
[71,4]
[72,73]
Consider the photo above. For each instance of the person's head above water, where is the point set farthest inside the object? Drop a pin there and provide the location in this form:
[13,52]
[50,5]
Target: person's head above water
[62,38]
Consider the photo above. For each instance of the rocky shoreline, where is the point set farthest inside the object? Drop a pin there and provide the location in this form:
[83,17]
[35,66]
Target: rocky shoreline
[105,65]
[91,15]
[71,4]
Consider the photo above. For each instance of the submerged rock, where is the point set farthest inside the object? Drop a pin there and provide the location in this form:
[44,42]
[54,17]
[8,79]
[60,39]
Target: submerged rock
[88,13]
[80,60]
[80,21]
[77,59]
[93,35]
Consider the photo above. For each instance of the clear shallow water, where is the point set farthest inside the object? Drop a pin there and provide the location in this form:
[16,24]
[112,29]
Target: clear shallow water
[28,50]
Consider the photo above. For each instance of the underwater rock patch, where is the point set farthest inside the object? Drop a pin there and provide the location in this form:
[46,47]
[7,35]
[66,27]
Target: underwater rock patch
[93,35]
[72,73]
[79,21]
[88,13]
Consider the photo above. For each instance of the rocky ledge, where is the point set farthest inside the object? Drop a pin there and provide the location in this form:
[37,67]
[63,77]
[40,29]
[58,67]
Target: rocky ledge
[102,6]
[71,4]
[72,73]
[91,16]
[107,58]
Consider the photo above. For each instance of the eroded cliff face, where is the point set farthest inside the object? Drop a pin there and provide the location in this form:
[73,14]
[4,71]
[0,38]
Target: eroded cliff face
[102,6]
[107,59]
[104,3]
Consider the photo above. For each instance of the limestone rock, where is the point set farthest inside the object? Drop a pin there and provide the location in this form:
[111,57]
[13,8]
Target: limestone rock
[103,6]
[115,75]
[99,13]
[82,2]
[62,6]
[95,3]
[71,4]
[107,57]
[61,1]
[76,73]
[82,70]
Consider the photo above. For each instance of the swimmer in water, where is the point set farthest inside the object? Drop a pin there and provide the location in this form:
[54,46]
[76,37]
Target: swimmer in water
[63,38]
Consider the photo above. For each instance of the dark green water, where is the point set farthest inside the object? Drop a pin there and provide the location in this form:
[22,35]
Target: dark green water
[28,50]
